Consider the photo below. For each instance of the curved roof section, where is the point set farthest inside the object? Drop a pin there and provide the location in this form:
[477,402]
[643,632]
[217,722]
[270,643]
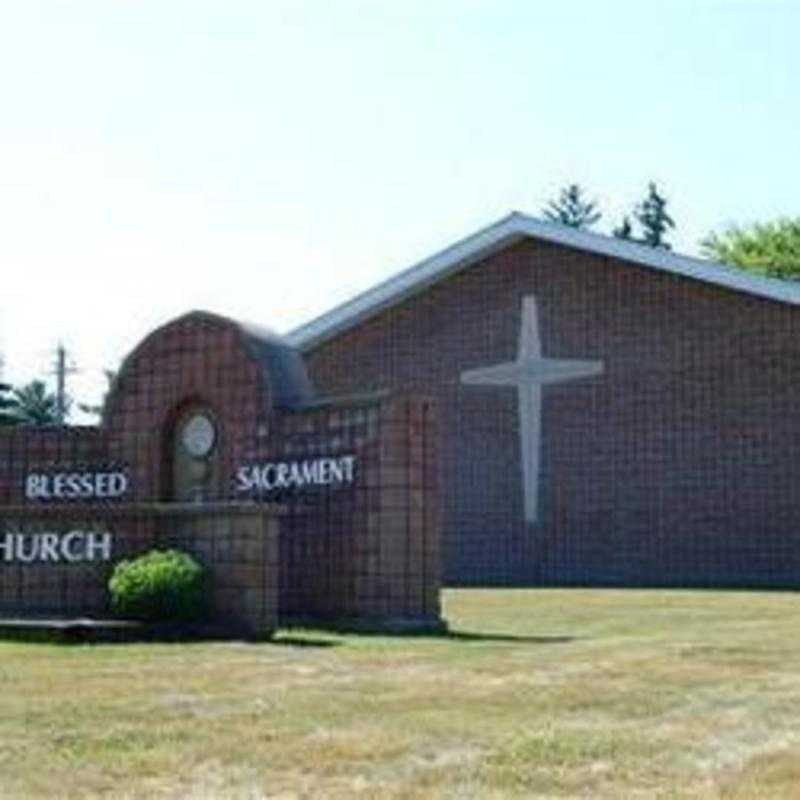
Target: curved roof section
[288,379]
[509,230]
[282,364]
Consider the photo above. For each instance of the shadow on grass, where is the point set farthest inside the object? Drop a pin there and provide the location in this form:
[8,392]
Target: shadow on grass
[282,640]
[467,636]
[78,636]
[443,634]
[310,633]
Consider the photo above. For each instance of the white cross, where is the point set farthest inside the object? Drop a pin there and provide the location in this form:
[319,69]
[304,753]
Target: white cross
[529,373]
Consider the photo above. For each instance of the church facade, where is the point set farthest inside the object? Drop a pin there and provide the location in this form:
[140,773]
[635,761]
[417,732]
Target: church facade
[611,414]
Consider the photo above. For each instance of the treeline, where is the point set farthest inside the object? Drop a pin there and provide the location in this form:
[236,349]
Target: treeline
[648,223]
[769,248]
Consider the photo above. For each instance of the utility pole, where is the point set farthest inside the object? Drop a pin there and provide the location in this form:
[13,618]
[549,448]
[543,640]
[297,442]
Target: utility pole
[62,370]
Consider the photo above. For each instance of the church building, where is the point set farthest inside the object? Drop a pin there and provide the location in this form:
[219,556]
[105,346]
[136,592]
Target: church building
[611,414]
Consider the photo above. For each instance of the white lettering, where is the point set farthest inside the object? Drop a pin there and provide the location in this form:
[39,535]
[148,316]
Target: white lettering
[73,547]
[286,474]
[336,470]
[311,471]
[324,470]
[101,485]
[98,542]
[32,487]
[348,462]
[7,547]
[265,481]
[87,487]
[295,475]
[117,484]
[33,550]
[73,485]
[67,551]
[243,482]
[281,479]
[49,548]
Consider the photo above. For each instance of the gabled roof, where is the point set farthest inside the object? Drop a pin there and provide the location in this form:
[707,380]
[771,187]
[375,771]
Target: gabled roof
[509,230]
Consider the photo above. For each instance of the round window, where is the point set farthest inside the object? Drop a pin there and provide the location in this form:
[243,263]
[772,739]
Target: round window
[198,436]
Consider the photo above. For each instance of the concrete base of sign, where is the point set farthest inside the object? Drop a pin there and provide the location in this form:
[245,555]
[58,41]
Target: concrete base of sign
[89,629]
[57,629]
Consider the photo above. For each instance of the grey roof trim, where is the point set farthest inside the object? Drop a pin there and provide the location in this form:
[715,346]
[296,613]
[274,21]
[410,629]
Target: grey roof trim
[508,230]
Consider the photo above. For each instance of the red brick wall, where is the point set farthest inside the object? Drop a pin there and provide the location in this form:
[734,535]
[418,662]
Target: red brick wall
[195,361]
[678,465]
[24,450]
[69,588]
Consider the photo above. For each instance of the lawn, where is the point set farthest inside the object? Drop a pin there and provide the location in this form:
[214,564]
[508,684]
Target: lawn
[536,693]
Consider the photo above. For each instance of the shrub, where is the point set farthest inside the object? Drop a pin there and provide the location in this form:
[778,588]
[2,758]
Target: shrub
[160,586]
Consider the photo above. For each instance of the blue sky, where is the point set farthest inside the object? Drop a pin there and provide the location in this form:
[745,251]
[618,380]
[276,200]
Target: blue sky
[267,160]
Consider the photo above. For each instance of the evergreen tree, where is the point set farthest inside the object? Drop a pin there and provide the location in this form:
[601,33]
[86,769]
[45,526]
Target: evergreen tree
[652,216]
[625,230]
[572,209]
[35,405]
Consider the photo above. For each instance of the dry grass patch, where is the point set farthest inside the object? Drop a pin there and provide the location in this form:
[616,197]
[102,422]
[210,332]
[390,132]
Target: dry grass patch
[775,775]
[542,693]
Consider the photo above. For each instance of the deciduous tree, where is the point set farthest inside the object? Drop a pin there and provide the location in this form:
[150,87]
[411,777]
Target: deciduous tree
[766,248]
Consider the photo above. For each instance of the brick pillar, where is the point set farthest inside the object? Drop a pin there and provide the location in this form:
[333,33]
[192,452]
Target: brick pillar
[408,522]
[368,555]
[238,546]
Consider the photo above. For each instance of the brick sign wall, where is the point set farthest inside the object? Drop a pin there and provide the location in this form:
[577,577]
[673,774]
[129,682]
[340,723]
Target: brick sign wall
[207,415]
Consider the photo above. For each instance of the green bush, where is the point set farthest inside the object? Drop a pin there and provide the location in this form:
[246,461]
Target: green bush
[160,586]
